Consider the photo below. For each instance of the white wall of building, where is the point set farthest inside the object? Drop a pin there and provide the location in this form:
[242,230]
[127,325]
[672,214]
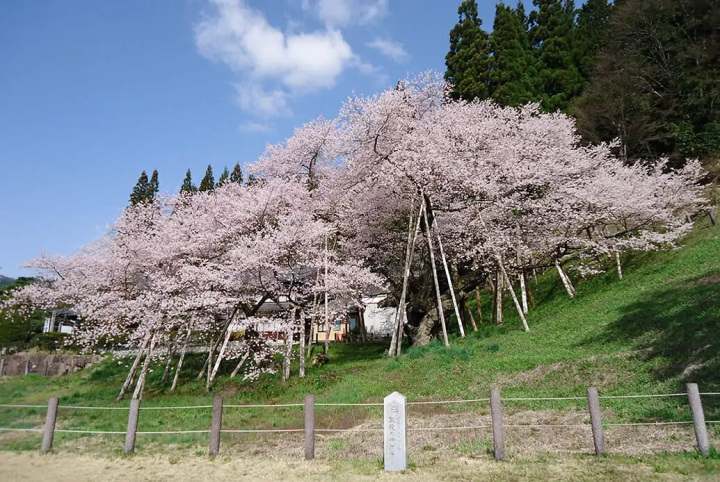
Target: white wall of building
[378,321]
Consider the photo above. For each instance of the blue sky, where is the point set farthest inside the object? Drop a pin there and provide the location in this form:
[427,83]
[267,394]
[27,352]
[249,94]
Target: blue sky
[92,93]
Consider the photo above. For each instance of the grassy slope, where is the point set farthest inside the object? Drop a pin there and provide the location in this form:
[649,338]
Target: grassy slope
[651,332]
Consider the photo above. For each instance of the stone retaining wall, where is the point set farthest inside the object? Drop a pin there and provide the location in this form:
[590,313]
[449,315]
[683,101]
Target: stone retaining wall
[49,365]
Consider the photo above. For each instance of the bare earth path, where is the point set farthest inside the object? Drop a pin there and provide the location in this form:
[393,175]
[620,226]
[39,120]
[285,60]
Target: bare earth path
[31,466]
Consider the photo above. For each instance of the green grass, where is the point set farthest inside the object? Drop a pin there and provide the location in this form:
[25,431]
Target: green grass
[651,332]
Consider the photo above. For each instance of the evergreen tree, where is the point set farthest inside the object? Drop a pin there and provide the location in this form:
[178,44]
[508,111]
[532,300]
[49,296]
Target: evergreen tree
[236,175]
[153,187]
[468,61]
[187,185]
[592,24]
[513,80]
[208,182]
[553,38]
[224,177]
[655,84]
[139,192]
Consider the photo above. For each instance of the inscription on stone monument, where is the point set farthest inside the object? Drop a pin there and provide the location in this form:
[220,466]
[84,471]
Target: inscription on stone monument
[395,406]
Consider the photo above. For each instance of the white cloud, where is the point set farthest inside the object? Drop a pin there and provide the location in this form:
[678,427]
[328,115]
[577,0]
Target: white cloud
[240,37]
[253,98]
[338,13]
[255,127]
[389,48]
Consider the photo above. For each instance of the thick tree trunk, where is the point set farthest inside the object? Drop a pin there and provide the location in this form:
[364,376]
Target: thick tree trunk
[140,386]
[450,285]
[565,280]
[512,293]
[133,370]
[363,328]
[396,341]
[438,297]
[478,306]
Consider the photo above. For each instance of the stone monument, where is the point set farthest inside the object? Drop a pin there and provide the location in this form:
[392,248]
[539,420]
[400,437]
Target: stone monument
[395,432]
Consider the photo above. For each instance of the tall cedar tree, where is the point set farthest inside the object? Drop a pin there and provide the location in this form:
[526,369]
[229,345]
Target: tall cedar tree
[655,85]
[224,177]
[592,23]
[187,185]
[236,174]
[553,38]
[208,181]
[139,192]
[468,61]
[153,187]
[513,79]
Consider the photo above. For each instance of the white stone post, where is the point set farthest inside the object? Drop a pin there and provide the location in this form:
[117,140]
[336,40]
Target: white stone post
[395,406]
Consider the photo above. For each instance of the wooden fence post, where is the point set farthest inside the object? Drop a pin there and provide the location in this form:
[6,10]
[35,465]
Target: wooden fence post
[216,426]
[27,366]
[596,420]
[309,427]
[497,424]
[132,425]
[698,419]
[49,429]
[2,367]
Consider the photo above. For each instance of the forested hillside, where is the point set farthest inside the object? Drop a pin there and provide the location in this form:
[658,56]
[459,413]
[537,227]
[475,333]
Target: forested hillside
[643,72]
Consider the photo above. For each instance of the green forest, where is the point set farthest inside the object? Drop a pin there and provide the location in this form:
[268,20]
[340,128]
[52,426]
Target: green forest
[642,73]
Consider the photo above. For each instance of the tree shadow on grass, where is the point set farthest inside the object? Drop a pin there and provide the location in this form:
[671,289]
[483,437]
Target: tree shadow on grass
[677,327]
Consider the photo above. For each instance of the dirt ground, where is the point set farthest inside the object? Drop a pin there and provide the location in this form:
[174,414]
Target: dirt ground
[32,467]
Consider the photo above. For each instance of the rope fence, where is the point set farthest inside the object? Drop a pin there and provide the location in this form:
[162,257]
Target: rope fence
[397,418]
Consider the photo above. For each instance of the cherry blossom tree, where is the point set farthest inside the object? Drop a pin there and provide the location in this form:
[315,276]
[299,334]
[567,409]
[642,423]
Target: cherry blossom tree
[403,178]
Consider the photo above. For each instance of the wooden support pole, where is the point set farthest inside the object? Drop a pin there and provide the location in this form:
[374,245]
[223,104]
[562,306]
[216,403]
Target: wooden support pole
[698,419]
[309,427]
[49,429]
[396,340]
[2,367]
[441,315]
[301,350]
[450,285]
[596,420]
[497,424]
[512,292]
[27,366]
[132,425]
[216,426]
